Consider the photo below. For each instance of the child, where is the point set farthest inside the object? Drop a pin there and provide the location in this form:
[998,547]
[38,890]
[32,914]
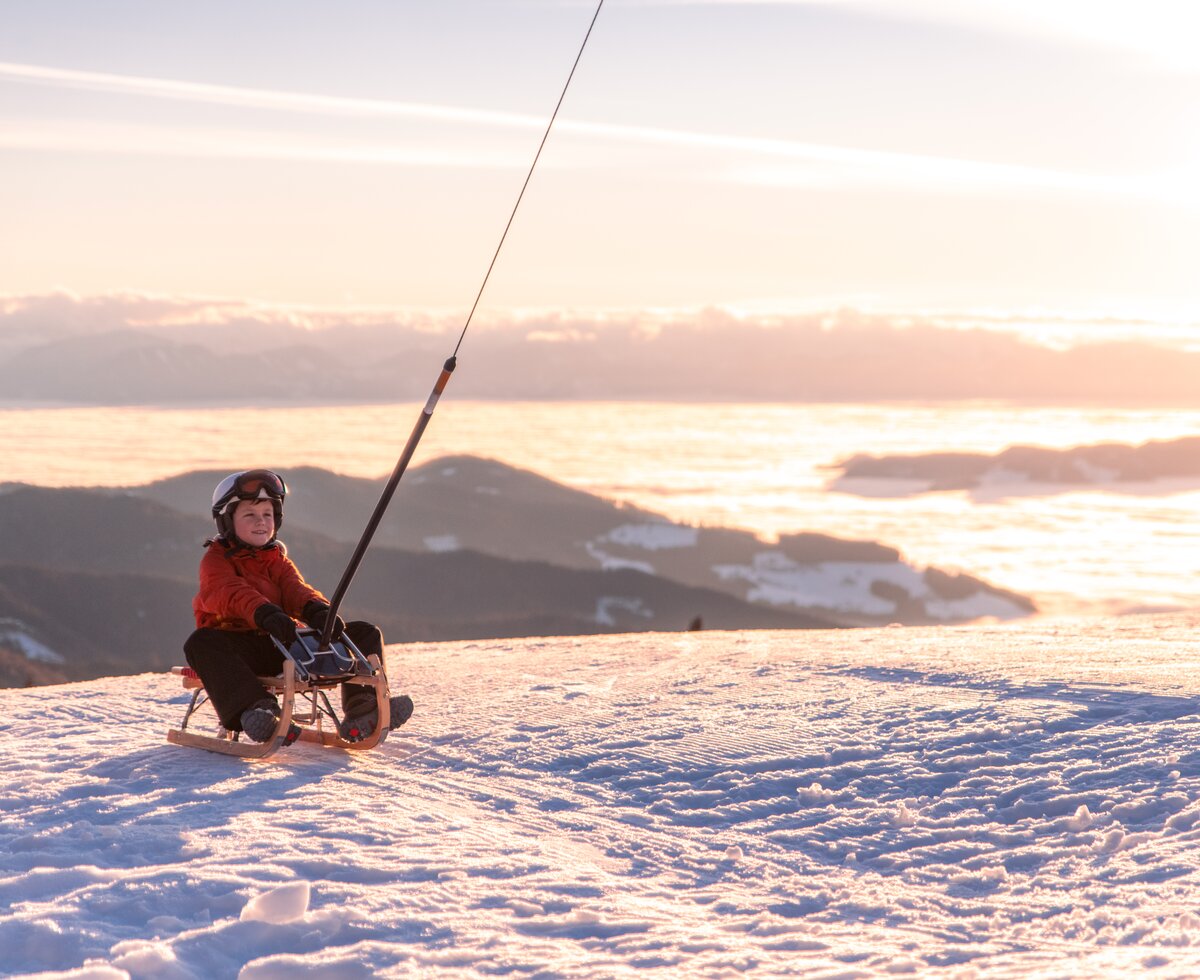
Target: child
[250,591]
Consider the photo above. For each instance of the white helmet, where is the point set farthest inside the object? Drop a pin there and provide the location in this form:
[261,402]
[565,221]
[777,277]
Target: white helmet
[247,485]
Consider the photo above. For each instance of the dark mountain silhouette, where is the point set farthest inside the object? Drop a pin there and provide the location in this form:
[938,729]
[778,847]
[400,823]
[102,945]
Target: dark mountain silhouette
[17,670]
[119,623]
[105,580]
[483,504]
[465,503]
[102,624]
[100,531]
[471,549]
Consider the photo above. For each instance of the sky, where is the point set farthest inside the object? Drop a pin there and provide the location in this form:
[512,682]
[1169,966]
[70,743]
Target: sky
[1011,159]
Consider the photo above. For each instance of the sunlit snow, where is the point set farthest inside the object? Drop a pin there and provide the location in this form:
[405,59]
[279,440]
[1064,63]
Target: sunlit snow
[606,605]
[611,563]
[15,633]
[443,542]
[999,801]
[857,587]
[653,536]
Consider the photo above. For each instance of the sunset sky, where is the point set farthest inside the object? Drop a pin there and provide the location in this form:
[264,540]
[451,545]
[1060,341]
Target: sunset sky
[897,155]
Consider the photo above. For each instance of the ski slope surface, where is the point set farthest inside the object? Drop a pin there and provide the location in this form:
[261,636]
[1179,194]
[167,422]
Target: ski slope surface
[991,801]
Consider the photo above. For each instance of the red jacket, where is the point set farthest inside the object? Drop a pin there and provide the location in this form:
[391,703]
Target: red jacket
[235,581]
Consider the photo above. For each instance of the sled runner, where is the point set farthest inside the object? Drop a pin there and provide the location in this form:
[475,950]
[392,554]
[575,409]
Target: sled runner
[306,713]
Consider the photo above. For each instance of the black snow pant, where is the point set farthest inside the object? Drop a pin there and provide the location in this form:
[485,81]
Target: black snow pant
[230,663]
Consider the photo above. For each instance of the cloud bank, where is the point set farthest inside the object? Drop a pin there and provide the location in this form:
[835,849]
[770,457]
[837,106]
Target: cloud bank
[130,349]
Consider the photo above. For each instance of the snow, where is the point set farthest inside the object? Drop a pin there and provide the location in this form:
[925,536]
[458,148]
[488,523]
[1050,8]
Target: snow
[854,587]
[611,563]
[981,605]
[15,634]
[606,605]
[1018,800]
[649,536]
[283,904]
[442,542]
[653,536]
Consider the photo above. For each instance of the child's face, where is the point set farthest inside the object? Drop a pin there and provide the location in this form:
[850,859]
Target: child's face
[254,521]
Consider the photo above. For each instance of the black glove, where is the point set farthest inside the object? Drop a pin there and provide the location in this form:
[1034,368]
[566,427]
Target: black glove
[275,621]
[316,613]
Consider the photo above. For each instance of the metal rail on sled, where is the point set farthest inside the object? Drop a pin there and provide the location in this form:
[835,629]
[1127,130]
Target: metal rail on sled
[306,713]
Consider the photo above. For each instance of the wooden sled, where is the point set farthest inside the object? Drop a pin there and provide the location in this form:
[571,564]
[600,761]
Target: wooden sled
[306,714]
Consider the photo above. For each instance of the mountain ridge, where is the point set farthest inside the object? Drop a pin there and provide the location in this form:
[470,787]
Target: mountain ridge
[1112,466]
[471,549]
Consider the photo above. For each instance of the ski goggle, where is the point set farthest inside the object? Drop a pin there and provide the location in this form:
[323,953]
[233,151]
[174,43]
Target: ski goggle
[249,485]
[254,484]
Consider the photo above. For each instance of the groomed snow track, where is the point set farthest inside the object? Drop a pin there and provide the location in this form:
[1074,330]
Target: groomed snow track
[1015,801]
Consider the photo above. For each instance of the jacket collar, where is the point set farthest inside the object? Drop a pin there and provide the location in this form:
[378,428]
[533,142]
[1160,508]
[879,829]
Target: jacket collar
[235,546]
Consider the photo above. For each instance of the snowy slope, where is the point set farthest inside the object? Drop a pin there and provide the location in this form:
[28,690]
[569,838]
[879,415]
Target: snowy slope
[1007,801]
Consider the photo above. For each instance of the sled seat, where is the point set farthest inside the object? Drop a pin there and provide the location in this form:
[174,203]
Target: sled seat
[276,684]
[306,713]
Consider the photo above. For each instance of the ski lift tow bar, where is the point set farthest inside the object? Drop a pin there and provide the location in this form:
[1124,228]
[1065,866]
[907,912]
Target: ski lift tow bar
[443,379]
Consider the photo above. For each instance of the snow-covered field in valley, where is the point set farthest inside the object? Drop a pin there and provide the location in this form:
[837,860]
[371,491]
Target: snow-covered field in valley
[997,801]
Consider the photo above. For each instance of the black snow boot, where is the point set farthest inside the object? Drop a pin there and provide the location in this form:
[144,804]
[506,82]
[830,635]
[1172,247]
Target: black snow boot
[357,727]
[260,720]
[400,708]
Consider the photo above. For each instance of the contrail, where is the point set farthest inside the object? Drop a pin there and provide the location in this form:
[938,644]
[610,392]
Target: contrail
[867,166]
[163,88]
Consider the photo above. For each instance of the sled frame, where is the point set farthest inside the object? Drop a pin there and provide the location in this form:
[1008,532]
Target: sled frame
[306,714]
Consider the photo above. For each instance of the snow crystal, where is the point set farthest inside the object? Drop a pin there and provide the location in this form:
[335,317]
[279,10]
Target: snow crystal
[142,957]
[654,536]
[583,924]
[815,793]
[1082,819]
[612,563]
[866,588]
[608,606]
[997,873]
[442,542]
[15,633]
[283,904]
[981,605]
[1184,820]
